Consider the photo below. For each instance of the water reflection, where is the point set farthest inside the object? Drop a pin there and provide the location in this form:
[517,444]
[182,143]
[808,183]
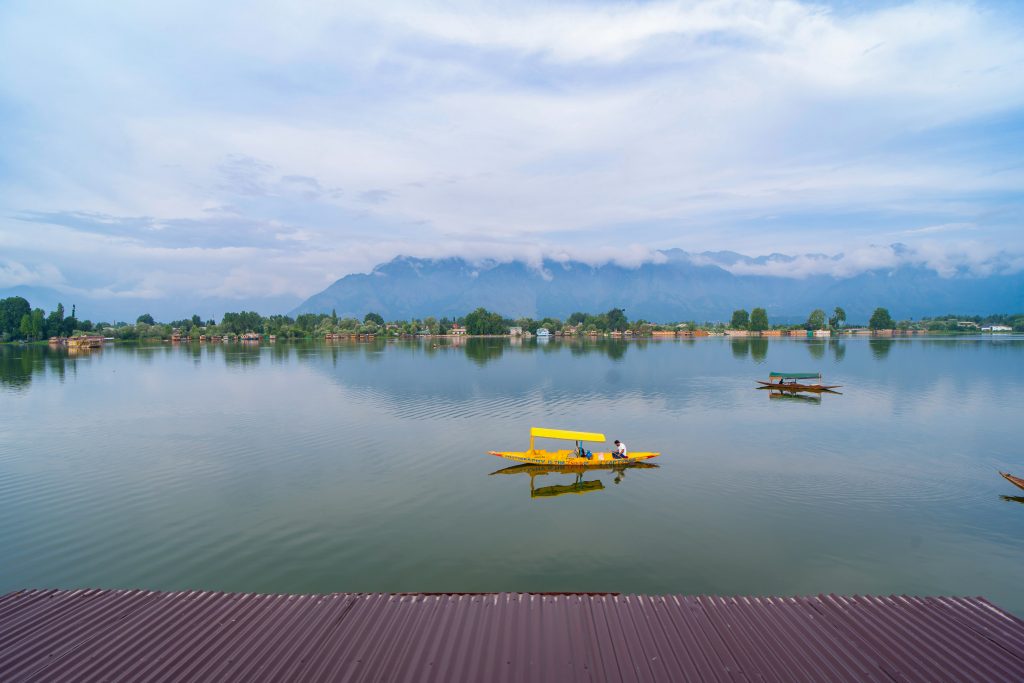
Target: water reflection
[814,399]
[20,362]
[755,347]
[1013,499]
[152,465]
[838,350]
[482,351]
[579,485]
[242,354]
[880,347]
[816,349]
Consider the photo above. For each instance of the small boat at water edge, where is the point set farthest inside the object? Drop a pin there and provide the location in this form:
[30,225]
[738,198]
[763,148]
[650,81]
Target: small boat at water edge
[788,381]
[577,457]
[1016,481]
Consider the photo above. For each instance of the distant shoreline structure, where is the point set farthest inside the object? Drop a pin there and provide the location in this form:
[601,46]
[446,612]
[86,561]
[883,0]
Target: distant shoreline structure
[21,323]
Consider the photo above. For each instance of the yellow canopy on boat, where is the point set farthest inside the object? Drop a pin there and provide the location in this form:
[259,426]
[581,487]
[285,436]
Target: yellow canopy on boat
[565,434]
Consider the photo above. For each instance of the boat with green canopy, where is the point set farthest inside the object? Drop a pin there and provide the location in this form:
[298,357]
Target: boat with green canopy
[791,381]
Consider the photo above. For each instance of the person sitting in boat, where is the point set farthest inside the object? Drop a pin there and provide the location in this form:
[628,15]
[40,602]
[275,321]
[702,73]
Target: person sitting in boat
[619,453]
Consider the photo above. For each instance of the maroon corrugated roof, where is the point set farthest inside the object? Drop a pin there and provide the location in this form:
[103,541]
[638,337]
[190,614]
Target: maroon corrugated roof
[57,635]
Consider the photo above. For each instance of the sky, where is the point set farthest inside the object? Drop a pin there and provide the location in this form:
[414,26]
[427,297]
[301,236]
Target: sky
[197,155]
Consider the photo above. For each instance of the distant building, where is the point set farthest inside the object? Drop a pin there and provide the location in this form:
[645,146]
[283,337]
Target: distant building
[458,330]
[967,324]
[997,328]
[543,332]
[515,331]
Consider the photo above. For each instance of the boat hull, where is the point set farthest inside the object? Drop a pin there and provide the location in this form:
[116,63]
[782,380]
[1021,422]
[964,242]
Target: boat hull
[1016,481]
[569,459]
[798,387]
[536,470]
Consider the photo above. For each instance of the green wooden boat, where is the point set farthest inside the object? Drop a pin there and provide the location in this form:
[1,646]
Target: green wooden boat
[790,381]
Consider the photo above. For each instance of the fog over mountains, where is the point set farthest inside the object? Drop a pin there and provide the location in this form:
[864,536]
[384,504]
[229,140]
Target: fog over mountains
[677,285]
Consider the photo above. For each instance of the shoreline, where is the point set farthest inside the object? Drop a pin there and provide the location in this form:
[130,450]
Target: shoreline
[364,338]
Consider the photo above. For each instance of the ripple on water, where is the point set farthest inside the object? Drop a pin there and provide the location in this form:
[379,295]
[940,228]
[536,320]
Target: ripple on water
[346,469]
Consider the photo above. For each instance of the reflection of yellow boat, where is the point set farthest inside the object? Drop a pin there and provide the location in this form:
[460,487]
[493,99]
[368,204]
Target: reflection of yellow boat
[575,457]
[579,486]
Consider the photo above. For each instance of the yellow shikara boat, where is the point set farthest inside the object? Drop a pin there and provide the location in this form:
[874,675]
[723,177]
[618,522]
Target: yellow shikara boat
[575,457]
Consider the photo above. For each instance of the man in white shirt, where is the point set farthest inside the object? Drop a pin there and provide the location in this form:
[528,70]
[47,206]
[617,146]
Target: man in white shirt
[620,450]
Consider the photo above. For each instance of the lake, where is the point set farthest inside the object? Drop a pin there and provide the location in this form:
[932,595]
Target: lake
[363,467]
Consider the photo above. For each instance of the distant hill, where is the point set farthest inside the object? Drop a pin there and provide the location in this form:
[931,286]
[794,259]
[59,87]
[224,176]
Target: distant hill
[683,287]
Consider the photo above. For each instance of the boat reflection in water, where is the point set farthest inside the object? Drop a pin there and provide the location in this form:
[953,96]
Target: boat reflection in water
[790,396]
[580,485]
[1013,499]
[786,394]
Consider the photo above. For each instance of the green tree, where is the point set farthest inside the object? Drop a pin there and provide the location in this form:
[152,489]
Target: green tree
[240,323]
[70,324]
[55,321]
[838,317]
[881,320]
[374,318]
[758,320]
[145,318]
[816,320]
[482,321]
[12,310]
[32,325]
[306,322]
[617,319]
[740,319]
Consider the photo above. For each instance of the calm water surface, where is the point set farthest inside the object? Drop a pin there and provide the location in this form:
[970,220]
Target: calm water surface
[363,467]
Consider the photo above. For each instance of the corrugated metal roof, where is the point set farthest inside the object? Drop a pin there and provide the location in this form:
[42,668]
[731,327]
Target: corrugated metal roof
[56,635]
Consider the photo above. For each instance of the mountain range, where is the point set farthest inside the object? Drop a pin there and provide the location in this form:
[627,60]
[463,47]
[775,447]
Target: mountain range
[677,286]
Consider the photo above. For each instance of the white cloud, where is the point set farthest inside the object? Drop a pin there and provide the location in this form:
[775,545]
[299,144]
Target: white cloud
[266,149]
[946,259]
[13,274]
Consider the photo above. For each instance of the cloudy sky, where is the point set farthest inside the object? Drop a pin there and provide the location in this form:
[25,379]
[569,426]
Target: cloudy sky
[254,152]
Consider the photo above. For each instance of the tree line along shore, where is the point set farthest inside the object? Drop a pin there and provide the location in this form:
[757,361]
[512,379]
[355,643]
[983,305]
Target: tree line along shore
[19,322]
